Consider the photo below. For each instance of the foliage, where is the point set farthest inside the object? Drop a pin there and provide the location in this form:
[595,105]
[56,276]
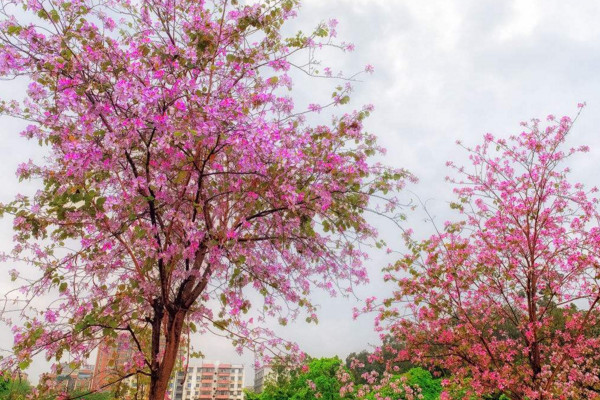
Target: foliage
[13,389]
[507,297]
[251,395]
[328,378]
[416,383]
[378,361]
[458,390]
[362,363]
[180,181]
[323,379]
[430,388]
[92,396]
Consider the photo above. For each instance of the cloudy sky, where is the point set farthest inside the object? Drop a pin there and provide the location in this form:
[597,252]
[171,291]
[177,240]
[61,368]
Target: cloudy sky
[445,70]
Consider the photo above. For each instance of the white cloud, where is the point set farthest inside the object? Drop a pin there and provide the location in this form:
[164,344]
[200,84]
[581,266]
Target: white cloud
[524,20]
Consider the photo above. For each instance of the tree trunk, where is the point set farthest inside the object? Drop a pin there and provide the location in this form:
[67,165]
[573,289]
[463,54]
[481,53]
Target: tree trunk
[161,373]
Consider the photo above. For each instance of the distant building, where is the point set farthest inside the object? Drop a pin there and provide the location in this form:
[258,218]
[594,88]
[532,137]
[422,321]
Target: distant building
[208,381]
[73,379]
[114,362]
[259,378]
[111,362]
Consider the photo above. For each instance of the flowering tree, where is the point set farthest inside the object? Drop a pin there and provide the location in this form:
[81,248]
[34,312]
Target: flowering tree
[180,181]
[506,298]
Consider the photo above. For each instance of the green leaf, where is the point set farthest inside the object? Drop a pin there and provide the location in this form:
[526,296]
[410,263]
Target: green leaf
[63,287]
[321,32]
[139,232]
[54,16]
[100,202]
[13,30]
[24,364]
[221,324]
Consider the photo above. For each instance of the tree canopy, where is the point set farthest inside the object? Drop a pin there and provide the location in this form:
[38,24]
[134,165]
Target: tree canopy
[506,297]
[180,177]
[319,379]
[329,379]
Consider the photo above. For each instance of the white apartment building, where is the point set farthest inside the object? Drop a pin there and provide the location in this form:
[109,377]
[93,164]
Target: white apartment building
[208,381]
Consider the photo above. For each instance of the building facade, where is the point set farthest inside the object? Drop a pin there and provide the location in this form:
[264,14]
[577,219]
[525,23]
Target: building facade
[70,380]
[208,381]
[259,378]
[110,363]
[115,370]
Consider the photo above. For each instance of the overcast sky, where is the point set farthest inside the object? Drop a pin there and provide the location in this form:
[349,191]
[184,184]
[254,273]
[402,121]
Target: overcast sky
[445,70]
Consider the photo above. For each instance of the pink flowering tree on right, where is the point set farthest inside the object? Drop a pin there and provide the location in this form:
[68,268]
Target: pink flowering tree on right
[506,298]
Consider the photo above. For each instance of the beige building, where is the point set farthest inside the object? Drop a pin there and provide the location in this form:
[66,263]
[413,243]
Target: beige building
[208,381]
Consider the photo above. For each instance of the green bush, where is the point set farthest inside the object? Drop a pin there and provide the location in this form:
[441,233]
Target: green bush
[418,379]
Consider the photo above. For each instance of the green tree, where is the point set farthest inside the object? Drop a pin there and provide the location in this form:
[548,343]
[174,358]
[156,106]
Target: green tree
[13,389]
[321,379]
[416,381]
[430,387]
